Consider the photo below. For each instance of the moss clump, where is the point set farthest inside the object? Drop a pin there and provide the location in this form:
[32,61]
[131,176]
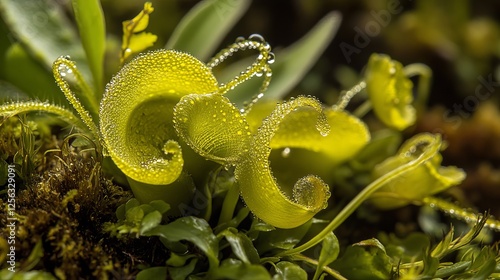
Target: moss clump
[65,211]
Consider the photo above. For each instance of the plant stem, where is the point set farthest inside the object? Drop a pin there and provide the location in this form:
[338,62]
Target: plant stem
[346,96]
[424,83]
[363,109]
[229,204]
[459,213]
[327,269]
[366,193]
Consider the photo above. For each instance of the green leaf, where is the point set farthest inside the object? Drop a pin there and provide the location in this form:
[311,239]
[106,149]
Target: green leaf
[177,260]
[181,273]
[291,64]
[160,206]
[135,215]
[159,272]
[33,275]
[452,269]
[236,269]
[47,35]
[131,203]
[431,265]
[192,229]
[241,245]
[206,25]
[41,82]
[5,43]
[289,271]
[364,262]
[150,221]
[120,212]
[91,25]
[281,238]
[329,251]
[408,249]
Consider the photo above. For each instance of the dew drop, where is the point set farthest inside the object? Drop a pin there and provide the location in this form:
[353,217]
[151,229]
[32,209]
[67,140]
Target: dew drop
[257,38]
[323,126]
[240,39]
[258,74]
[64,70]
[392,70]
[271,58]
[286,152]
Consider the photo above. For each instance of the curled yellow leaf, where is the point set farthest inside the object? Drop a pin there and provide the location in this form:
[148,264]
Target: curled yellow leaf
[259,187]
[133,41]
[212,126]
[390,92]
[348,135]
[427,179]
[136,113]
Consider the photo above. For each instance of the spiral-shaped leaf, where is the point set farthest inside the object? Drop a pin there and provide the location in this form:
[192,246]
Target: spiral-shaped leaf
[259,188]
[212,126]
[136,113]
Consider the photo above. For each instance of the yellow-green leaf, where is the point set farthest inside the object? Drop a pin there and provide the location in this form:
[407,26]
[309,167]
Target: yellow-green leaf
[14,108]
[205,25]
[427,179]
[41,84]
[137,111]
[390,92]
[212,126]
[141,41]
[92,29]
[259,188]
[133,41]
[348,134]
[45,31]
